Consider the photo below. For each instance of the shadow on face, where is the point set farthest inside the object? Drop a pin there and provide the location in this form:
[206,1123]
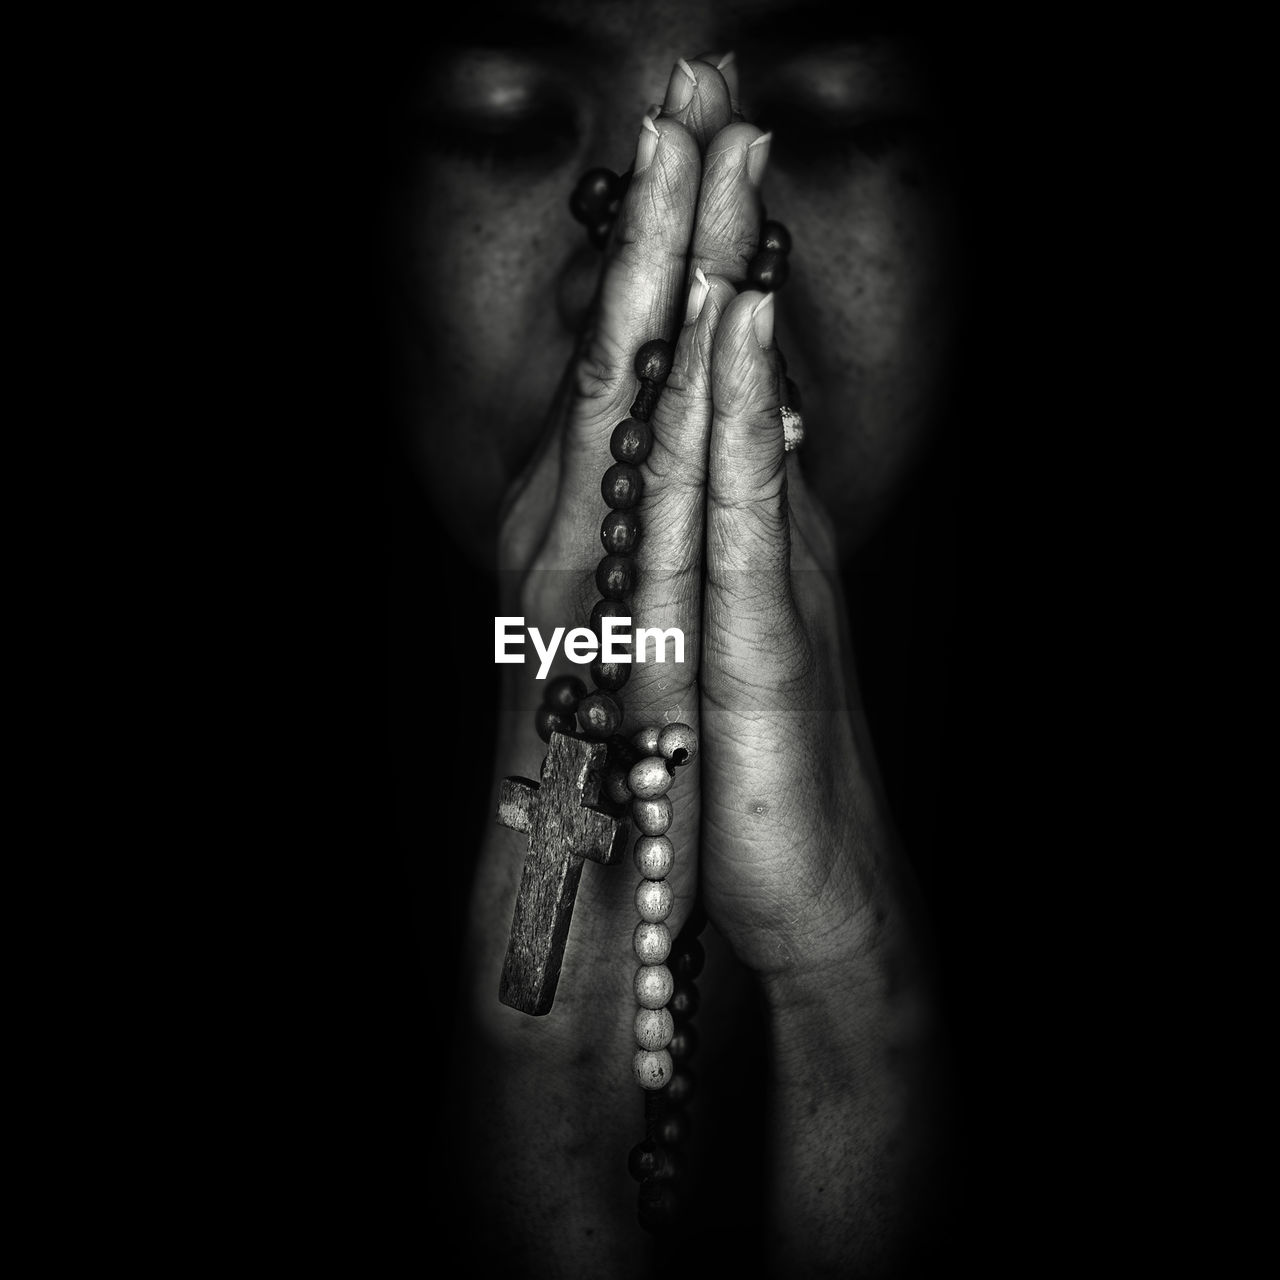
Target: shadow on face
[489,274]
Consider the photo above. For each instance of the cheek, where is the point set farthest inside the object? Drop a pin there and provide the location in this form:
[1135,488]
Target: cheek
[869,318]
[485,343]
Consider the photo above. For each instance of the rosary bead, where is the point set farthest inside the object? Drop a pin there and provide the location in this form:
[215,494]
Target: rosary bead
[616,577]
[653,984]
[682,1084]
[689,957]
[548,720]
[653,360]
[646,399]
[645,740]
[609,609]
[654,1028]
[649,778]
[598,232]
[647,1160]
[684,1001]
[652,817]
[610,676]
[673,1128]
[619,532]
[654,858]
[614,783]
[768,270]
[652,1068]
[600,715]
[564,693]
[683,1043]
[651,941]
[678,743]
[774,236]
[654,900]
[631,441]
[621,752]
[593,195]
[621,486]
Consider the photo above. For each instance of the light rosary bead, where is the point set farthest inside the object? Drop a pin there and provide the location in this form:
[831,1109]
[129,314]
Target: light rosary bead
[645,740]
[654,1028]
[653,1068]
[654,857]
[654,900]
[651,941]
[649,778]
[652,817]
[677,743]
[653,985]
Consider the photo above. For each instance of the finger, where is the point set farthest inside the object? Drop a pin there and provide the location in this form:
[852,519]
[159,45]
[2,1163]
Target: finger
[727,228]
[641,284]
[748,604]
[699,98]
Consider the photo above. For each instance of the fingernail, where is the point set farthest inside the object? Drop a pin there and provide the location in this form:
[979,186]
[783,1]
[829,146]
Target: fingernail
[728,67]
[647,145]
[680,87]
[762,321]
[758,158]
[697,296]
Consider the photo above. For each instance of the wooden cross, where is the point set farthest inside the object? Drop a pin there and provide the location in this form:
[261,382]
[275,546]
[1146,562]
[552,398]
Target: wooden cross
[564,827]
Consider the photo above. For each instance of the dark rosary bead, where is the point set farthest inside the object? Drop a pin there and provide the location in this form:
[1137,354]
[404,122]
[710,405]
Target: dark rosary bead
[600,715]
[619,532]
[684,1043]
[653,361]
[595,195]
[684,999]
[548,720]
[647,1160]
[768,270]
[646,398]
[673,1127]
[609,609]
[681,1087]
[564,693]
[616,577]
[631,441]
[622,486]
[610,676]
[598,233]
[688,957]
[775,236]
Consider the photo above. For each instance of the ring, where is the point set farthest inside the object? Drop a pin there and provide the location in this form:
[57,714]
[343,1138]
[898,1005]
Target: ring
[792,428]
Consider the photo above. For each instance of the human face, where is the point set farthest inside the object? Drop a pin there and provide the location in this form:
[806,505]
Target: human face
[491,275]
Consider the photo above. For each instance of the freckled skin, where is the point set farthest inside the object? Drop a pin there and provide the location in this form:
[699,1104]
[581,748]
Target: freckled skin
[499,275]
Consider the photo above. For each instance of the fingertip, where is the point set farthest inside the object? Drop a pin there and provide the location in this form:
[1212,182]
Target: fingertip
[744,371]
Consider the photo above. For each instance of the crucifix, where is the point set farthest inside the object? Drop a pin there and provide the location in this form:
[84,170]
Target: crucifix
[560,817]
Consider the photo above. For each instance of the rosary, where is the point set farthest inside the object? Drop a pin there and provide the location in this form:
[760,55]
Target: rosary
[596,784]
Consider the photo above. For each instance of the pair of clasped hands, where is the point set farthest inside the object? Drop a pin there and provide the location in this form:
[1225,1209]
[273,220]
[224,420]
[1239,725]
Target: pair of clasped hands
[778,824]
